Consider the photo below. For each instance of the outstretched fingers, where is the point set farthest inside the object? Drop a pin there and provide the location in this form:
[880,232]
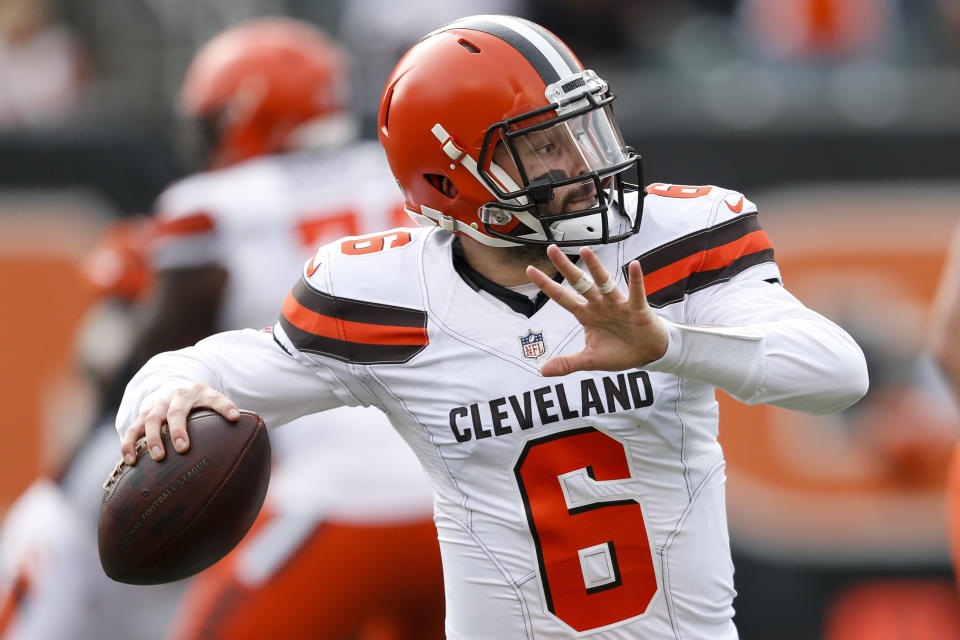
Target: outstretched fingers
[620,329]
[605,284]
[562,365]
[559,293]
[582,283]
[638,293]
[593,284]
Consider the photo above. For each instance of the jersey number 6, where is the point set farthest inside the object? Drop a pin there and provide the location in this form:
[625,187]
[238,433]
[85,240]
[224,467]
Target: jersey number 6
[593,554]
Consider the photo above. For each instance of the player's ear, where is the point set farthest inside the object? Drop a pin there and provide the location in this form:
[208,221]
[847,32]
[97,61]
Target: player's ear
[443,184]
[449,189]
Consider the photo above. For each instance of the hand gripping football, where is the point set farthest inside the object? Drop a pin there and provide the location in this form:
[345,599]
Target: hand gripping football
[167,520]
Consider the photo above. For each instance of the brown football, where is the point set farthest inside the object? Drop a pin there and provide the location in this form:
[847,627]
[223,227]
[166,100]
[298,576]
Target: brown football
[167,520]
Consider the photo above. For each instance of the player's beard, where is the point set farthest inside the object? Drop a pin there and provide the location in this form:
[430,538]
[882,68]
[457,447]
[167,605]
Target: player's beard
[536,255]
[530,255]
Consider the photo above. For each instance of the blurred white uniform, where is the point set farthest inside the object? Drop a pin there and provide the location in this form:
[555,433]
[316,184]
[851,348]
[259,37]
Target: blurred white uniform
[261,220]
[51,584]
[345,489]
[589,505]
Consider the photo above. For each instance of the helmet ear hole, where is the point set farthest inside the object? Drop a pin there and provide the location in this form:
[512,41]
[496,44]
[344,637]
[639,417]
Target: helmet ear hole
[441,183]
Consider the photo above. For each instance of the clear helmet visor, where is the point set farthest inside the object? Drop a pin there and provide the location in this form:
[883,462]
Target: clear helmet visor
[582,144]
[555,174]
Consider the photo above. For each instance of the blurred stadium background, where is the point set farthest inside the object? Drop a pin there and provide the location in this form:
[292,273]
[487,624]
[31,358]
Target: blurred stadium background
[840,118]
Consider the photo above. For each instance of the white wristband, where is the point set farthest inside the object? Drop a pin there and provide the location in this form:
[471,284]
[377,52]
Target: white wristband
[729,358]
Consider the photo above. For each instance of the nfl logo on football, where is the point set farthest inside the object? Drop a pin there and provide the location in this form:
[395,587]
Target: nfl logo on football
[533,345]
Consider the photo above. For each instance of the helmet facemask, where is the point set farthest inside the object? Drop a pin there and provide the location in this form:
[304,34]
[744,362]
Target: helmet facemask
[570,160]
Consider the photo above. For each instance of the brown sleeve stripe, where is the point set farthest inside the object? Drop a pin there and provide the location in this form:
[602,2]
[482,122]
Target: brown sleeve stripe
[352,330]
[715,258]
[702,240]
[704,258]
[703,279]
[357,311]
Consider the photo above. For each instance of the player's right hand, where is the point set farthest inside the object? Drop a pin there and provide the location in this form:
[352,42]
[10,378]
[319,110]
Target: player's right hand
[173,410]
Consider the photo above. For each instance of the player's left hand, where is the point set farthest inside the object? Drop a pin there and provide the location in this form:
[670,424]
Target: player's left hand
[621,331]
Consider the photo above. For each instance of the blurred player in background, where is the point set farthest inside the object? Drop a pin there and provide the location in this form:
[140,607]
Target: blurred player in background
[338,552]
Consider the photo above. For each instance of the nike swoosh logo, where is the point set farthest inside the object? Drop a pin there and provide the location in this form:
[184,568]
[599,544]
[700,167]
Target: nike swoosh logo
[312,267]
[736,208]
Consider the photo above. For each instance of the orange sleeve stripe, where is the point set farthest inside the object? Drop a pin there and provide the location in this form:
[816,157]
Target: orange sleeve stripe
[184,226]
[715,258]
[357,332]
[10,601]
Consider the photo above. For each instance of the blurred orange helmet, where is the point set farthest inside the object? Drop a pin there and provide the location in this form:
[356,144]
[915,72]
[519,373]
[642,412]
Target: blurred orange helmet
[256,83]
[486,86]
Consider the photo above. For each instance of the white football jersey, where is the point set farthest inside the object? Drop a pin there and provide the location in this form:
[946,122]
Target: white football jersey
[589,505]
[263,218]
[260,220]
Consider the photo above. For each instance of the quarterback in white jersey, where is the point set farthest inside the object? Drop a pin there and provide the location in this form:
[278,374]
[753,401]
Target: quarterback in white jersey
[570,432]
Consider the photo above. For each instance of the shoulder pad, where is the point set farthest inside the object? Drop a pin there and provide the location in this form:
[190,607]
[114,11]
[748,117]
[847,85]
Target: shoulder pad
[693,207]
[693,237]
[359,300]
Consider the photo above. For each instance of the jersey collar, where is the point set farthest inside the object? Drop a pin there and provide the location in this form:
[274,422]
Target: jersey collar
[516,301]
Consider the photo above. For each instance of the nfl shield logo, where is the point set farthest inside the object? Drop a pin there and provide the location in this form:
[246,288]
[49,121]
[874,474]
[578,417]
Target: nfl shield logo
[533,345]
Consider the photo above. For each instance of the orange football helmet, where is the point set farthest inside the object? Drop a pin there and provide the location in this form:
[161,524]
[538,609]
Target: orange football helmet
[502,110]
[256,83]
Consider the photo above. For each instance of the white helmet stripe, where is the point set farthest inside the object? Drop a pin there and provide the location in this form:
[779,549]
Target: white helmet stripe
[549,50]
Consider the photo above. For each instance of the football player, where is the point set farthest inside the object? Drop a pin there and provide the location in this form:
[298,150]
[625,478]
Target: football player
[337,551]
[549,346]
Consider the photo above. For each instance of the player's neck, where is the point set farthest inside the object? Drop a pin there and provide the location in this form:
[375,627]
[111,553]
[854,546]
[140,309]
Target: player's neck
[507,266]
